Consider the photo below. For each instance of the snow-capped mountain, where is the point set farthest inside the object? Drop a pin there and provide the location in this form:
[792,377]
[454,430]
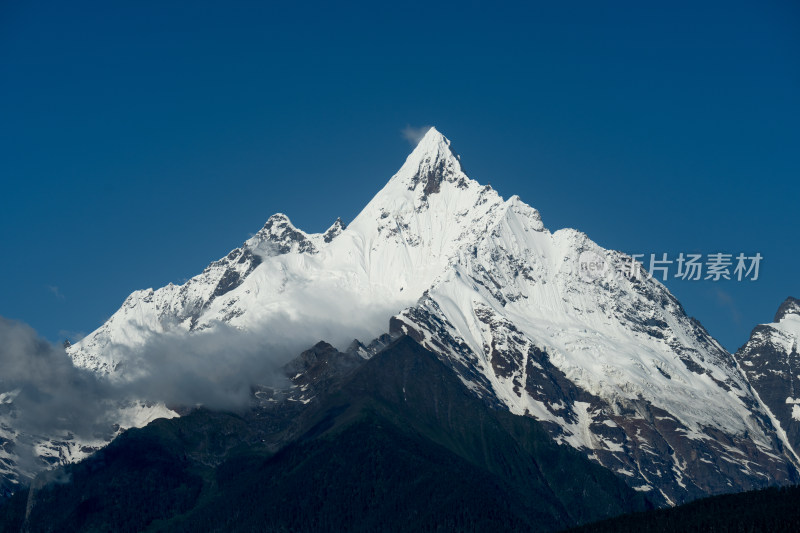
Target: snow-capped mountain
[611,366]
[771,362]
[402,241]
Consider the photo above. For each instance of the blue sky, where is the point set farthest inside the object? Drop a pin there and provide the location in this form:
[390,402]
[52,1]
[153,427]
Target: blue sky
[140,141]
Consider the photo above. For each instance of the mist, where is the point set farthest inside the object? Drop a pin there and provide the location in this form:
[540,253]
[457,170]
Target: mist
[217,366]
[45,391]
[43,395]
[414,135]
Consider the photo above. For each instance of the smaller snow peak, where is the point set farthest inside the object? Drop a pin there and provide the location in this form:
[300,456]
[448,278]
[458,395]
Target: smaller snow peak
[279,236]
[278,224]
[278,218]
[334,231]
[531,216]
[790,306]
[137,296]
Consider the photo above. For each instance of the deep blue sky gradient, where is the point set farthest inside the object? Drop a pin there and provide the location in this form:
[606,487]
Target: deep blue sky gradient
[139,141]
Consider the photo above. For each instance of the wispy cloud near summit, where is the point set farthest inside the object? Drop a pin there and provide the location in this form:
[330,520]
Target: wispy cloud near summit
[414,135]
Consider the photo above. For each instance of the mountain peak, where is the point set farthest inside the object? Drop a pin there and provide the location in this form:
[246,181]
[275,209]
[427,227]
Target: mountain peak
[280,236]
[431,162]
[790,306]
[433,145]
[432,137]
[336,228]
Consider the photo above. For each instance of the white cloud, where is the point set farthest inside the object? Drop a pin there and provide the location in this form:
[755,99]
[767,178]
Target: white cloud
[414,135]
[56,292]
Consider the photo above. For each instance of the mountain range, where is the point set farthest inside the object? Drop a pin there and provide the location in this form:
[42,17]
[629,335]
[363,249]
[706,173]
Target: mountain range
[440,282]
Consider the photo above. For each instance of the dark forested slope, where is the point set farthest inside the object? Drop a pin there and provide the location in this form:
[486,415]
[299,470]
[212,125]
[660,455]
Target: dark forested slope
[401,444]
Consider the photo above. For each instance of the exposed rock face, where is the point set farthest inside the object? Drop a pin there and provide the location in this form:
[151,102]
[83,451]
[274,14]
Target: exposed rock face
[334,231]
[790,306]
[279,236]
[317,370]
[771,362]
[658,451]
[436,164]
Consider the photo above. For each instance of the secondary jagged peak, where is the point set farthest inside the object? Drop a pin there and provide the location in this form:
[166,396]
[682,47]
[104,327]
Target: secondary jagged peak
[334,231]
[519,208]
[280,236]
[790,306]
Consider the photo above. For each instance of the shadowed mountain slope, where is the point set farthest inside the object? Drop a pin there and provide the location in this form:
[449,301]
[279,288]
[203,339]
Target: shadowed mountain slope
[401,444]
